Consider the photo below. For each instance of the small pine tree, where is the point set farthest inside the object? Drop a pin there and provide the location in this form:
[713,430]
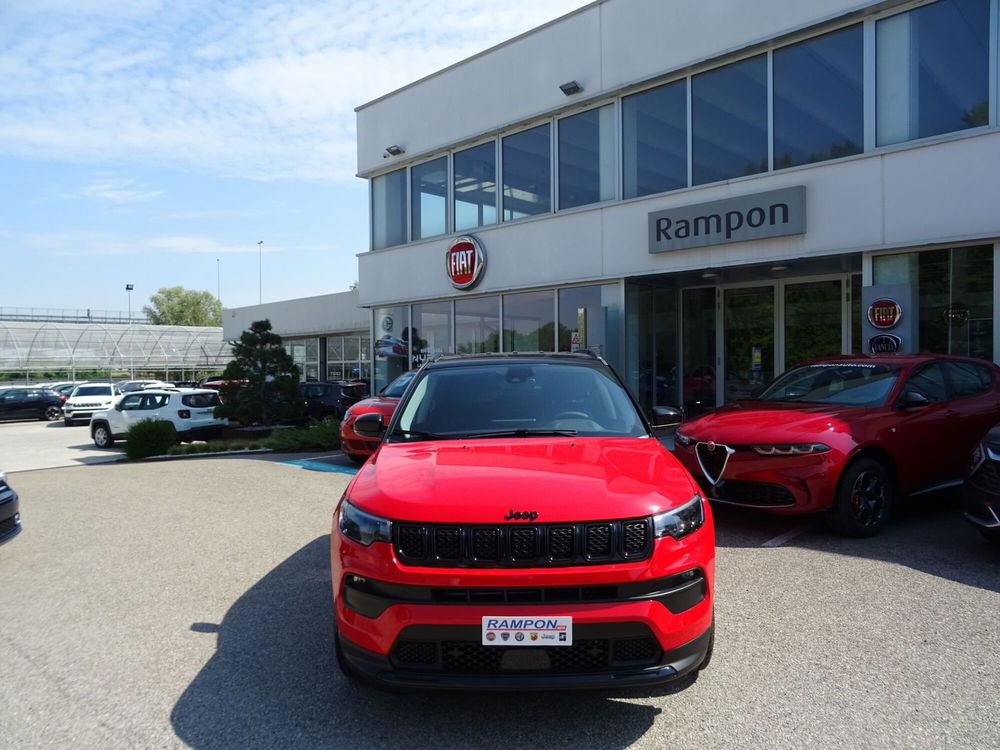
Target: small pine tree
[263,385]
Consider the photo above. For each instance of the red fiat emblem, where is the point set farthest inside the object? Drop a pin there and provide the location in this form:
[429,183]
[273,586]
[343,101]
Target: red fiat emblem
[465,260]
[884,313]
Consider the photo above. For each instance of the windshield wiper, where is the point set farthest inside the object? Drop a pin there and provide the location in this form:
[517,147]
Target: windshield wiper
[420,434]
[523,432]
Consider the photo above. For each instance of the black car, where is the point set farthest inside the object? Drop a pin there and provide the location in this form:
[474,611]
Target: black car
[31,403]
[982,487]
[326,401]
[10,517]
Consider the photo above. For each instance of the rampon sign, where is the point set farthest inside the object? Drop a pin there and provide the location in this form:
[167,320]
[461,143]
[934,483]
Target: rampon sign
[749,217]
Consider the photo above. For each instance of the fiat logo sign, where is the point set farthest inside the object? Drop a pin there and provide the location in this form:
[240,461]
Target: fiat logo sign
[884,313]
[464,262]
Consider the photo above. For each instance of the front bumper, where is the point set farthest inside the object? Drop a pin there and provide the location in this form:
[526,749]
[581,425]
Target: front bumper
[10,516]
[981,498]
[778,484]
[439,643]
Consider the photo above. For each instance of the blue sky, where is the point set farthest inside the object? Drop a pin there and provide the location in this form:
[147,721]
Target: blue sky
[154,142]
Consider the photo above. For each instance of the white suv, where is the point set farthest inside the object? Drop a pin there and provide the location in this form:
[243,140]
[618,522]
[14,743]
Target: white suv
[86,399]
[192,413]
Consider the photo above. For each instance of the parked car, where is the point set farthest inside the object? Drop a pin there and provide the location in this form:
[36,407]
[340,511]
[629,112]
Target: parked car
[192,412]
[86,399]
[127,386]
[519,528]
[65,389]
[847,435]
[10,515]
[31,403]
[326,401]
[357,447]
[981,492]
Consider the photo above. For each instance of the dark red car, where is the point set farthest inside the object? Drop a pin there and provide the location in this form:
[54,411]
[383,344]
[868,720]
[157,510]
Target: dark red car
[358,447]
[519,527]
[846,434]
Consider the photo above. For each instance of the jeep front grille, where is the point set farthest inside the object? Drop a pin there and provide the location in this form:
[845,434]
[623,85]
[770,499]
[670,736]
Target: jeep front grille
[522,545]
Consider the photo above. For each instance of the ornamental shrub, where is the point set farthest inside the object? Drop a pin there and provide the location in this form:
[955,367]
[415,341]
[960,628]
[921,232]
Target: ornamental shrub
[150,438]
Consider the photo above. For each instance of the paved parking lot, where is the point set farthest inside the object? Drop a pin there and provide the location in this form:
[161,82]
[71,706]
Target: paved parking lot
[175,603]
[32,444]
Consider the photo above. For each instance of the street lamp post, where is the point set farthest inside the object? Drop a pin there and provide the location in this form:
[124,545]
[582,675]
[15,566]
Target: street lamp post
[131,362]
[218,281]
[260,272]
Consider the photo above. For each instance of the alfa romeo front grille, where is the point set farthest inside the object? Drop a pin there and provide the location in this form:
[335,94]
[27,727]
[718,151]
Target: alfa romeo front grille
[522,545]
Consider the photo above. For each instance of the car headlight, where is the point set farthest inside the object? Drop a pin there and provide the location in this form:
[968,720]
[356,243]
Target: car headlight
[362,527]
[347,415]
[790,449]
[681,439]
[978,456]
[680,521]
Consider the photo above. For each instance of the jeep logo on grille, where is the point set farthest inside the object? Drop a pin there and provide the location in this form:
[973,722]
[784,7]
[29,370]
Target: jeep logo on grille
[519,515]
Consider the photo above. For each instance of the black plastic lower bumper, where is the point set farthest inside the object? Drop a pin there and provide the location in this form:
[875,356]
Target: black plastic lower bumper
[673,665]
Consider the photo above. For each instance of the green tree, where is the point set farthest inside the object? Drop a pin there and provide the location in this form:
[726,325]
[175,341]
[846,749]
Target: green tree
[177,306]
[263,385]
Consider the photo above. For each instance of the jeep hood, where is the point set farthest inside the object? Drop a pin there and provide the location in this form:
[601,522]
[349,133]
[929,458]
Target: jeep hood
[481,481]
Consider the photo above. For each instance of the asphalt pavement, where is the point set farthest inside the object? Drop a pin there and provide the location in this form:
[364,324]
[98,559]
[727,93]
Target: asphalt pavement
[187,603]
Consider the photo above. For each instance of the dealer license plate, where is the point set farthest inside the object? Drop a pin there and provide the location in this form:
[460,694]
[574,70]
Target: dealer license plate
[536,630]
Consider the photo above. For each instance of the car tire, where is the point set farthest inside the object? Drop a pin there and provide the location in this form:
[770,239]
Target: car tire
[864,499]
[708,654]
[357,458]
[52,413]
[102,436]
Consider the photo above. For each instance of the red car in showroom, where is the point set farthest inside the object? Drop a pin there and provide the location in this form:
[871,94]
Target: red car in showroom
[520,527]
[358,447]
[848,435]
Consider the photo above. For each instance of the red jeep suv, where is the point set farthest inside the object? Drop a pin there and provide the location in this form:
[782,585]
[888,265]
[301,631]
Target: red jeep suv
[520,527]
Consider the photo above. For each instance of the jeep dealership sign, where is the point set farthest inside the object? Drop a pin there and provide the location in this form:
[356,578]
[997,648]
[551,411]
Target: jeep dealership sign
[464,262]
[750,217]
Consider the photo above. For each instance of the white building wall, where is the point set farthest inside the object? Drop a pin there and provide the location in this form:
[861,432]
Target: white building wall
[307,316]
[604,46]
[937,192]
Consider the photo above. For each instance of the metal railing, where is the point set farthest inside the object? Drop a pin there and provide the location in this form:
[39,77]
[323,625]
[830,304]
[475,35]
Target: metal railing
[66,315]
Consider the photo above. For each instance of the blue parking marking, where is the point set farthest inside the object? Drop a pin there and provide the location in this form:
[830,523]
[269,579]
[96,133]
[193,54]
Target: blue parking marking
[308,463]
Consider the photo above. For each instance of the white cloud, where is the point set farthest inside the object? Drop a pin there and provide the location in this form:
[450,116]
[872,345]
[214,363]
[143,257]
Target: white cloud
[119,190]
[228,87]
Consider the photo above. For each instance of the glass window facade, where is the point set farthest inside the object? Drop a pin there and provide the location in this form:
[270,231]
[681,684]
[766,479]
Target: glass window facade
[933,70]
[477,325]
[527,173]
[588,318]
[587,157]
[529,322]
[800,104]
[955,289]
[305,354]
[819,99]
[430,332]
[389,209]
[429,193]
[348,357]
[392,352]
[729,121]
[654,140]
[475,181]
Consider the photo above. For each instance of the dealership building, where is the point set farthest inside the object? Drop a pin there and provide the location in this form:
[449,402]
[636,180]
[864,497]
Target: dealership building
[705,193]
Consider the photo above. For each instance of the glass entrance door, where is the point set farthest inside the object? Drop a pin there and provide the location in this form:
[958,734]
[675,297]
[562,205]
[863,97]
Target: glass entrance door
[814,314]
[748,348]
[698,355]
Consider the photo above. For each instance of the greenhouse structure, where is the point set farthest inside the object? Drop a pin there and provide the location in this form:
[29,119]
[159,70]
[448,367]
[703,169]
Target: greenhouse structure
[31,348]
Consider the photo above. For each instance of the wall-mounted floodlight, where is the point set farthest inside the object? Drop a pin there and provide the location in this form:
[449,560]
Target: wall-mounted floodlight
[392,150]
[129,287]
[570,88]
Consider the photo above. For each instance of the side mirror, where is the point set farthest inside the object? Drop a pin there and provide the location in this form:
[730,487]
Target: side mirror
[912,400]
[369,425]
[666,416]
[118,406]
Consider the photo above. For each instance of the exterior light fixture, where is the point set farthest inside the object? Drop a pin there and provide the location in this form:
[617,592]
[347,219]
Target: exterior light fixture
[779,268]
[392,150]
[129,287]
[570,88]
[707,275]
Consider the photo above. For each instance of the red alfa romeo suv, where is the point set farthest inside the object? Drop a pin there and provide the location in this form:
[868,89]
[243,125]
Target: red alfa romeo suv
[520,527]
[847,435]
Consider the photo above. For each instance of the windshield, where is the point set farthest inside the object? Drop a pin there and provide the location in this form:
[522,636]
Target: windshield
[92,390]
[519,400]
[396,387]
[845,383]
